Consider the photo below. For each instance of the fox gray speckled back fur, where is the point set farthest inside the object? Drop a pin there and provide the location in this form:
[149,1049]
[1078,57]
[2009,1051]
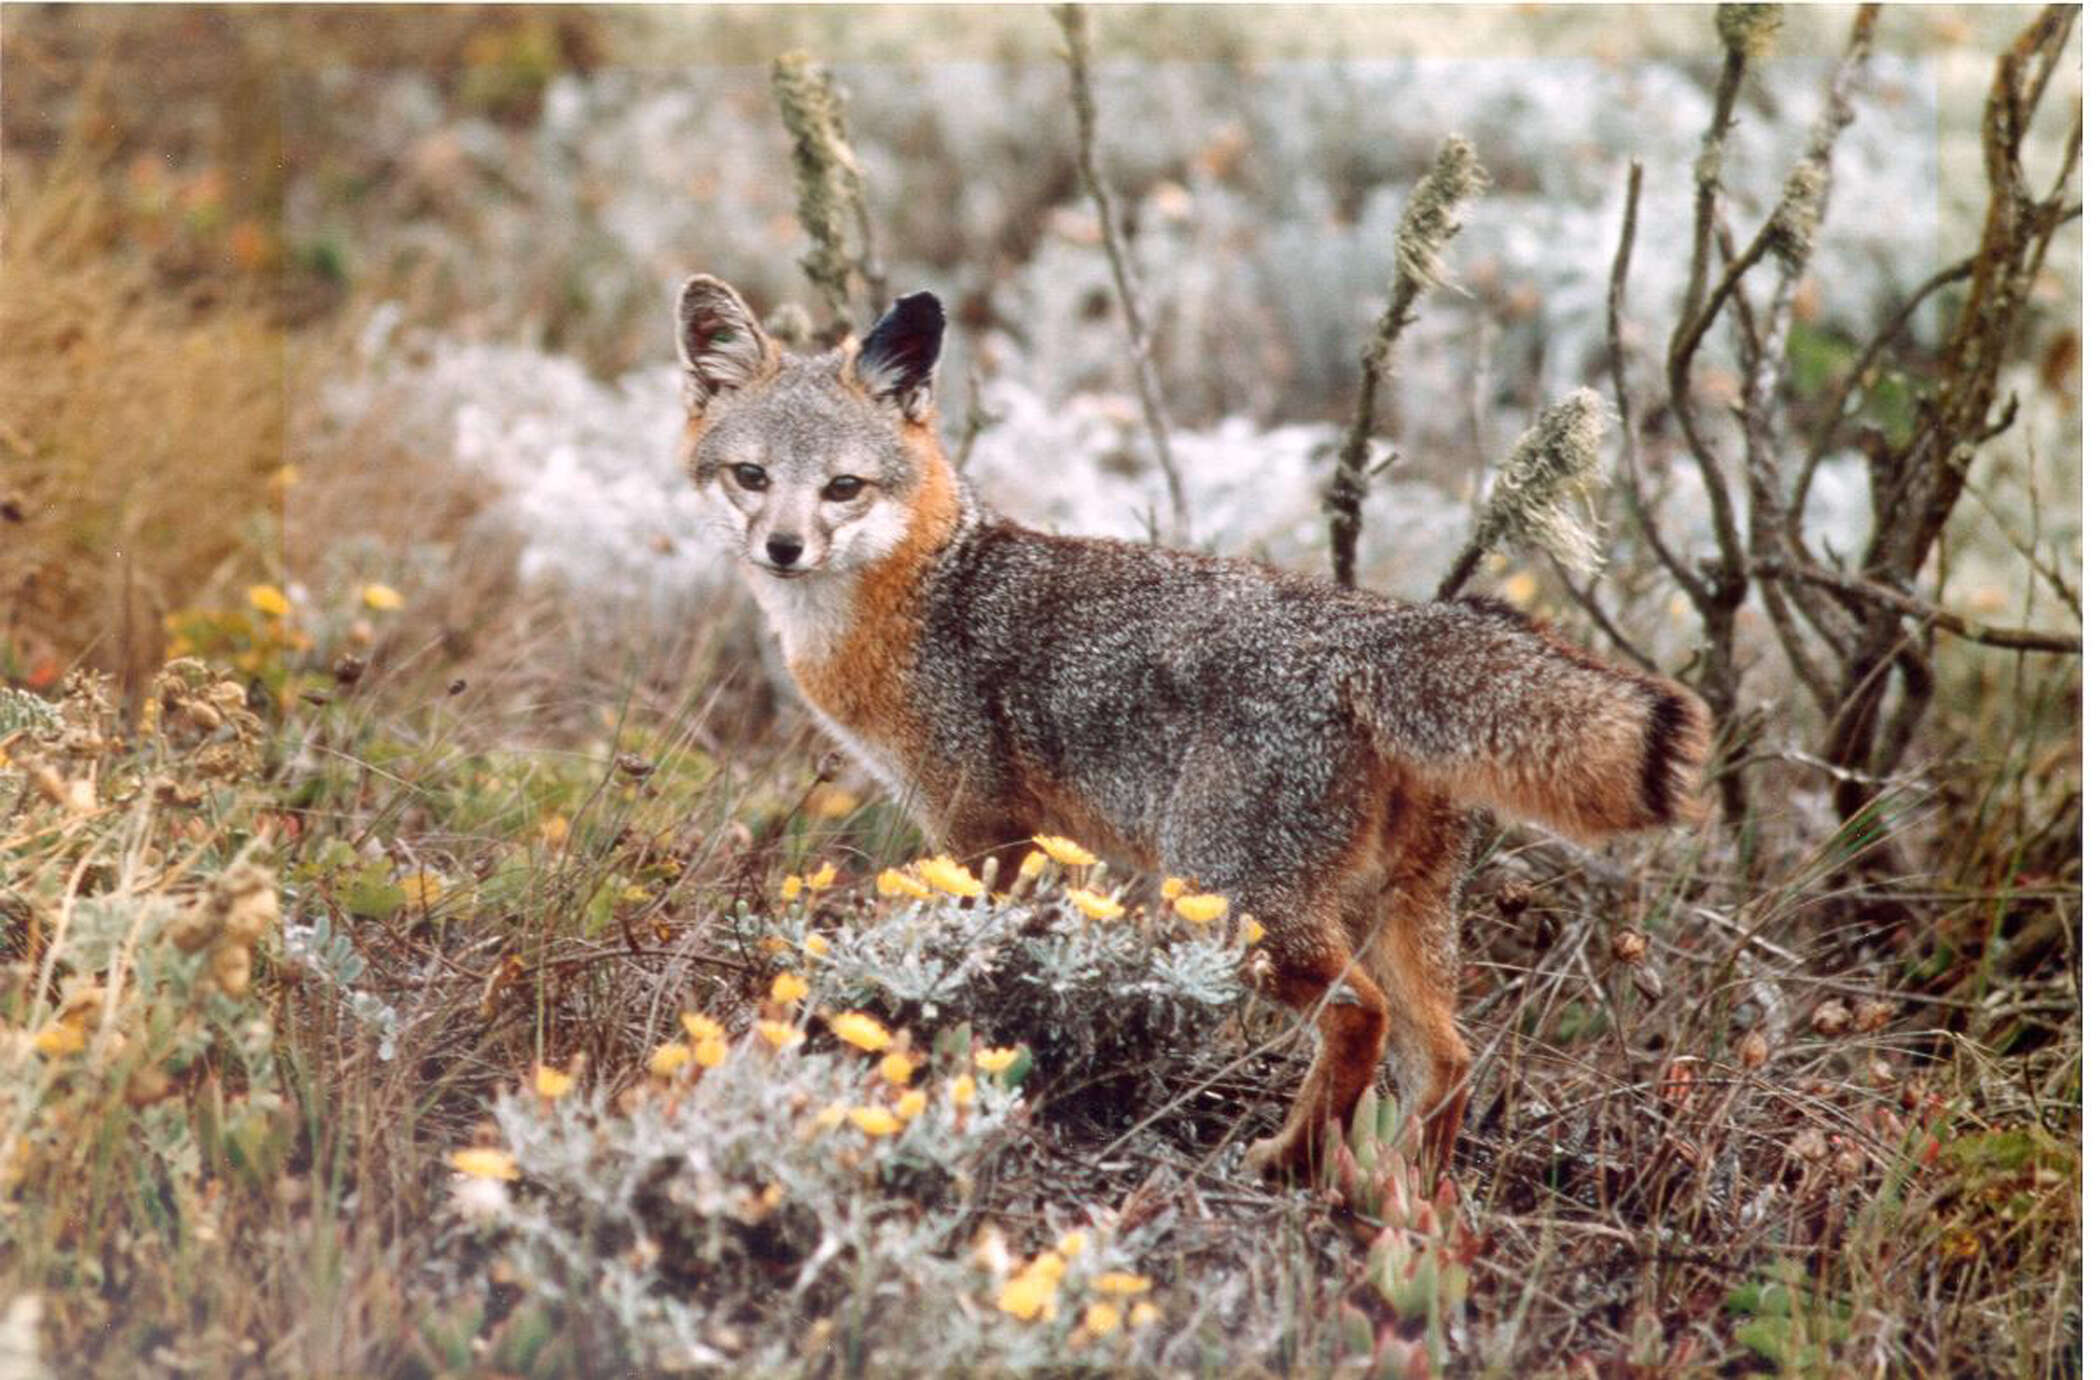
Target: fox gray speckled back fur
[1307,750]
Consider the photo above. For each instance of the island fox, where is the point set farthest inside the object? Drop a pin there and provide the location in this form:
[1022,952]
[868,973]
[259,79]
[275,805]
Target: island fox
[1309,751]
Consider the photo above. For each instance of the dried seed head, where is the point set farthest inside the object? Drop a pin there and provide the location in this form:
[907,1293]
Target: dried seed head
[1873,1015]
[1629,946]
[348,668]
[826,175]
[634,764]
[789,324]
[1554,462]
[1749,29]
[1754,1050]
[1832,1018]
[1433,214]
[231,967]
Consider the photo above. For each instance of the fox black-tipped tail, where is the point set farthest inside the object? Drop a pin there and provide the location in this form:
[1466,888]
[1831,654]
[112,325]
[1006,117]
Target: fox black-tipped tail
[1482,701]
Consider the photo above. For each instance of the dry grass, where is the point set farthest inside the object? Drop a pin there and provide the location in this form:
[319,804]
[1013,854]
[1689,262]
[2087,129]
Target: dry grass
[142,437]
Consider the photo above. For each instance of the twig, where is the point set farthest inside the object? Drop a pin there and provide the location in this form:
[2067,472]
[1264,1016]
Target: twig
[1862,364]
[975,418]
[1426,226]
[1586,598]
[1792,229]
[1615,334]
[1946,620]
[1072,19]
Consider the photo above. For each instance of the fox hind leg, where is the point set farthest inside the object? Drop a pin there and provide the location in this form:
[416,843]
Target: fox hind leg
[1411,948]
[1315,971]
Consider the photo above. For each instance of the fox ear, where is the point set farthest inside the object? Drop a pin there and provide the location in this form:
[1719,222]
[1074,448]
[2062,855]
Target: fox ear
[896,358]
[720,342]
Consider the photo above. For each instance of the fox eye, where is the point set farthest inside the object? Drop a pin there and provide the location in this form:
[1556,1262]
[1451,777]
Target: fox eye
[751,477]
[843,487]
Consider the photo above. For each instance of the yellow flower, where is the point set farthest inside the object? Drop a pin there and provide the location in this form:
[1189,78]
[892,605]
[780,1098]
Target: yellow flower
[709,1054]
[1254,931]
[382,597]
[61,1037]
[669,1058]
[832,1117]
[946,874]
[791,888]
[876,1121]
[911,1104]
[484,1164]
[1143,1313]
[1093,903]
[896,1067]
[1071,1244]
[894,883]
[1063,850]
[832,802]
[1520,587]
[1102,1318]
[963,1090]
[1047,1263]
[1172,888]
[423,888]
[996,1060]
[551,1083]
[816,945]
[554,830]
[822,877]
[269,599]
[789,988]
[778,1034]
[1027,1295]
[699,1027]
[861,1031]
[1032,865]
[1120,1282]
[1200,910]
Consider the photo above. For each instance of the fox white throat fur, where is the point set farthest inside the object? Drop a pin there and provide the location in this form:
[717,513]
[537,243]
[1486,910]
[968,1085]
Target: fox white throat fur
[1309,751]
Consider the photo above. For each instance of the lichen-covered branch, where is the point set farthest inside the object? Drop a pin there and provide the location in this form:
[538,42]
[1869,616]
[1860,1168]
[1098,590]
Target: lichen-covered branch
[1072,20]
[1791,230]
[1915,487]
[828,188]
[1427,224]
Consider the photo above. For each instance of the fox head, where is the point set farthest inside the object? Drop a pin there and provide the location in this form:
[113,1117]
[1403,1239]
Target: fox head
[811,467]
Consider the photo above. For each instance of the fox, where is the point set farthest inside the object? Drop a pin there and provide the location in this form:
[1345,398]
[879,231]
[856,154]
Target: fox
[1314,753]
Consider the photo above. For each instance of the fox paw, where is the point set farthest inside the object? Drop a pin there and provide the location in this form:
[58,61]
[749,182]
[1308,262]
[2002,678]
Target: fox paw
[1281,1156]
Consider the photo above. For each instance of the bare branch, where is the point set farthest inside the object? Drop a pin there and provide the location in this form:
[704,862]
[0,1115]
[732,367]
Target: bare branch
[1791,231]
[1427,224]
[1862,364]
[1585,596]
[1946,620]
[1072,20]
[1615,336]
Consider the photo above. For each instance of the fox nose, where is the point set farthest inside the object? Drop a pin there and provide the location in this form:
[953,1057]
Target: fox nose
[783,549]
